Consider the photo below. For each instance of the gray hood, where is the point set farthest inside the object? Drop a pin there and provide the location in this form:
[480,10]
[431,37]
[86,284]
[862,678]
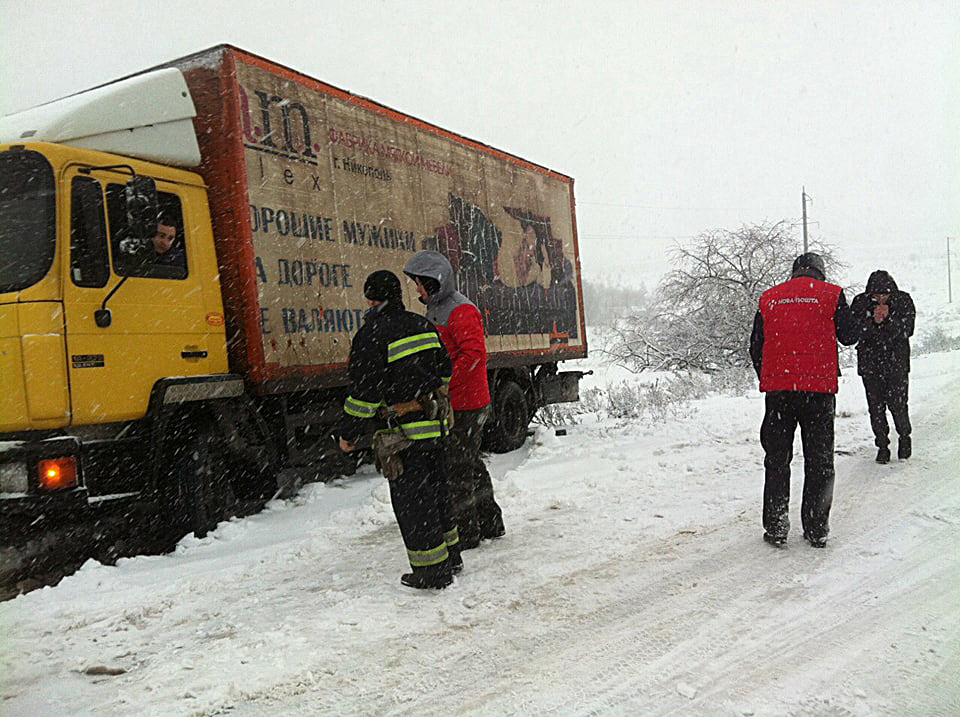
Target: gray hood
[434,265]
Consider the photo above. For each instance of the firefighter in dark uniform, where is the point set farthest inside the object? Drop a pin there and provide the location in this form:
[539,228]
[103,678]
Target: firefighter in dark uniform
[794,351]
[397,370]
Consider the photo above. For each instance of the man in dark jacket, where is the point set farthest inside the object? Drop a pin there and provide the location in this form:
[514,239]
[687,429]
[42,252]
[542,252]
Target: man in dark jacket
[461,327]
[794,351]
[396,361]
[885,317]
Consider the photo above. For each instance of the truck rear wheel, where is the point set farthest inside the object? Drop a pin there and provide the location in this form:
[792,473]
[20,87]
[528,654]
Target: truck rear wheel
[507,429]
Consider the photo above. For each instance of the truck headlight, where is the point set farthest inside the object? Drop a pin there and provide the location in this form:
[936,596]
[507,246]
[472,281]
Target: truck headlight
[13,478]
[58,473]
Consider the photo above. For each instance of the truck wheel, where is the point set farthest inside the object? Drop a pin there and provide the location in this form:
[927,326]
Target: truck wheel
[507,429]
[251,463]
[198,495]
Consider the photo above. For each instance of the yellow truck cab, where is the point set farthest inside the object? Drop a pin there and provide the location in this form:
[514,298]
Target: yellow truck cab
[165,320]
[94,320]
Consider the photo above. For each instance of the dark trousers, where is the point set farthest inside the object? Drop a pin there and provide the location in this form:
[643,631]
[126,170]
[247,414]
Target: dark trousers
[814,413]
[474,508]
[887,392]
[421,505]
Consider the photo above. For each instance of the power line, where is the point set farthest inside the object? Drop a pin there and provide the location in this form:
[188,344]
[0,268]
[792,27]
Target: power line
[949,279]
[661,206]
[637,236]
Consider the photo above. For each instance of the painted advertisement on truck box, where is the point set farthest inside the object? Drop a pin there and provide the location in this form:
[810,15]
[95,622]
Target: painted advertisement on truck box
[336,189]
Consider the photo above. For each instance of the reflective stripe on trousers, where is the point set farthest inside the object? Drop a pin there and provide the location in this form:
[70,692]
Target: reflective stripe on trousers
[451,537]
[425,558]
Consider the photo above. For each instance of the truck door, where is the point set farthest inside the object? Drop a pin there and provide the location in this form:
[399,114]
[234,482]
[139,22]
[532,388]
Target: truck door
[157,326]
[33,377]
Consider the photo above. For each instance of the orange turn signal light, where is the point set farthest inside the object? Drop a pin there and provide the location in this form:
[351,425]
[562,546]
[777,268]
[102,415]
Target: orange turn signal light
[58,473]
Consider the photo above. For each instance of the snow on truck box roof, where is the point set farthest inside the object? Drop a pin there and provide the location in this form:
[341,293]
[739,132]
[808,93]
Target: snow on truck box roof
[148,116]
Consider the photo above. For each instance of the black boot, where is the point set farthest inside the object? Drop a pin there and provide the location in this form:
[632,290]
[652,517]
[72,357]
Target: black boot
[496,530]
[490,520]
[905,448]
[469,532]
[777,541]
[455,560]
[883,454]
[816,542]
[429,579]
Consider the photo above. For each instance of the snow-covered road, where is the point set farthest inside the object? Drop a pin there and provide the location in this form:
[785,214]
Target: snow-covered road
[632,581]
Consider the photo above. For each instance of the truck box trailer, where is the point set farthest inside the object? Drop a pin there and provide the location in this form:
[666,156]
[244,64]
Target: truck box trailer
[188,377]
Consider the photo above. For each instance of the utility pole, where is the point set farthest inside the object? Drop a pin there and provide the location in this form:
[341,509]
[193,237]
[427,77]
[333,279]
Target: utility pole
[804,197]
[949,282]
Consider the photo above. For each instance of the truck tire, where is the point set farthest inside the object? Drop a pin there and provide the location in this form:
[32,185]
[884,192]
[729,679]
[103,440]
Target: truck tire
[197,495]
[251,462]
[507,428]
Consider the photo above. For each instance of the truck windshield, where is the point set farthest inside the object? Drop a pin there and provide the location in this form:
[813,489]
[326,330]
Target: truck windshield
[27,219]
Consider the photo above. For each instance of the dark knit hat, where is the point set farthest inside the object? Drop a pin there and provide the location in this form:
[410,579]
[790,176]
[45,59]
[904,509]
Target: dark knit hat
[383,285]
[811,265]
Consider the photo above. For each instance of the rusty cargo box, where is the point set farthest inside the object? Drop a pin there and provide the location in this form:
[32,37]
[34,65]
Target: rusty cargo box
[312,188]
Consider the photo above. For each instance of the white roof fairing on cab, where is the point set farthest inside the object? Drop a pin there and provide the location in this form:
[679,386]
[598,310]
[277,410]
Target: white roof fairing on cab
[148,116]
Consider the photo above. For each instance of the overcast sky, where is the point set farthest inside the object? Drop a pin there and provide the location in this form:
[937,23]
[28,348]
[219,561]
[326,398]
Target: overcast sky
[672,117]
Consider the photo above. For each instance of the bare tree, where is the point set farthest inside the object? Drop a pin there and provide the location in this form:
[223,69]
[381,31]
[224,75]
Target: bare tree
[703,310]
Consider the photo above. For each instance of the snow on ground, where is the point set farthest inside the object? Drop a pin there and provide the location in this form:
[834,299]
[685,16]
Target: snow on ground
[632,581]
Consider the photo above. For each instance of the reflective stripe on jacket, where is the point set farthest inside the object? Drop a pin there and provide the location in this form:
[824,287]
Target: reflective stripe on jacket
[401,348]
[417,430]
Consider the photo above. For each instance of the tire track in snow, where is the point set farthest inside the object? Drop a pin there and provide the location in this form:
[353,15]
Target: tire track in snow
[700,624]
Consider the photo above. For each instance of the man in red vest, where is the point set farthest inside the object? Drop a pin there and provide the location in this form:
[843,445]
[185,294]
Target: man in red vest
[794,351]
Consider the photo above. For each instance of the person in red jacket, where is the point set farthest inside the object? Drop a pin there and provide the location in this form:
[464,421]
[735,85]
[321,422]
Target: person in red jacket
[793,347]
[460,324]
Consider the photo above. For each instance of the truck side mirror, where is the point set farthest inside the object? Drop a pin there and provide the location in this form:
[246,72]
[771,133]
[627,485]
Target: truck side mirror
[140,195]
